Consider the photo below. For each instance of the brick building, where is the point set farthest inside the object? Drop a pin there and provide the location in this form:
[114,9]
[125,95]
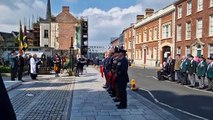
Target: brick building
[154,36]
[114,42]
[194,27]
[67,24]
[129,41]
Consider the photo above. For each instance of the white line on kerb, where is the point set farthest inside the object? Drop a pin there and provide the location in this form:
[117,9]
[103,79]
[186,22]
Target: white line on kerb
[185,112]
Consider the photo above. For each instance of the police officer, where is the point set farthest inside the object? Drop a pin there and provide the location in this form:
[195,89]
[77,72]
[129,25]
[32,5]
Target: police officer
[122,78]
[13,65]
[192,70]
[6,108]
[201,72]
[209,74]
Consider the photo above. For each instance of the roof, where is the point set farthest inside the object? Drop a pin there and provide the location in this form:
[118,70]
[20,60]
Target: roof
[7,36]
[156,15]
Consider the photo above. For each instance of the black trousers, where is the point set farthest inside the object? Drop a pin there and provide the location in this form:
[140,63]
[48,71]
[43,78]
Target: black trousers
[172,76]
[20,73]
[123,93]
[33,76]
[13,74]
[184,78]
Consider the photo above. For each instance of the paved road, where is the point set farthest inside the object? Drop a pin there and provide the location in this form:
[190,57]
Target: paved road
[46,99]
[178,96]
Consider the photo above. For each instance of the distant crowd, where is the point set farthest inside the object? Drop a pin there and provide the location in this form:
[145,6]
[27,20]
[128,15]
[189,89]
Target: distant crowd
[188,70]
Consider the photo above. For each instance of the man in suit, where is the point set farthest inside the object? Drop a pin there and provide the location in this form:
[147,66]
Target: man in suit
[171,66]
[122,78]
[201,72]
[184,65]
[20,66]
[192,70]
[209,74]
[6,108]
[13,64]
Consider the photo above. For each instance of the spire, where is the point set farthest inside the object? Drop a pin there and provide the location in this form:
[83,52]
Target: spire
[48,15]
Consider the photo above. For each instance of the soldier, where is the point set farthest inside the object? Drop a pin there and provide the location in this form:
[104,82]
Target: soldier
[6,108]
[20,66]
[210,74]
[192,70]
[171,65]
[201,71]
[122,78]
[184,65]
[13,65]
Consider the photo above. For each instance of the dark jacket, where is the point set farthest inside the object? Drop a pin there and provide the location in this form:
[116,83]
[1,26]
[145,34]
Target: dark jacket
[201,68]
[210,71]
[122,71]
[6,108]
[192,67]
[171,66]
[184,65]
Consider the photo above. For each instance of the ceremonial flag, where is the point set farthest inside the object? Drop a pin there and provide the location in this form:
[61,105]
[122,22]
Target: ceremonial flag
[20,37]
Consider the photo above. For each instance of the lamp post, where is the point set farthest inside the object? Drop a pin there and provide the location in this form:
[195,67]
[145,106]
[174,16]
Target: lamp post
[71,54]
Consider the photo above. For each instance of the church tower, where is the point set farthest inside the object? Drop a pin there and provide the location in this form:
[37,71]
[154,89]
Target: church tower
[48,12]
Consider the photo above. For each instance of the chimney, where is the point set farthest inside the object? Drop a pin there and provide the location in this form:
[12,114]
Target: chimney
[149,12]
[139,18]
[65,9]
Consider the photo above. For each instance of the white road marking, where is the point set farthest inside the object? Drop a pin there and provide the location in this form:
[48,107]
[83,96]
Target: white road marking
[161,103]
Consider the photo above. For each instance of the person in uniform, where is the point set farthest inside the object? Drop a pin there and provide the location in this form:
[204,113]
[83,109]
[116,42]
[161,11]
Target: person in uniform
[20,66]
[6,109]
[192,70]
[201,72]
[171,66]
[13,64]
[209,74]
[122,78]
[184,65]
[57,65]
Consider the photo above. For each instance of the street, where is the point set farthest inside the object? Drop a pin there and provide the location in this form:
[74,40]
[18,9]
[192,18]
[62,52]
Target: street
[48,98]
[170,93]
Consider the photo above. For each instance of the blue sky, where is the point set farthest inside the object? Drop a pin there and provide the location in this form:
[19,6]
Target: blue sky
[107,18]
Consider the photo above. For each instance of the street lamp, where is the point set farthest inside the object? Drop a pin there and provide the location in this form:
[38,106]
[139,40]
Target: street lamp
[71,54]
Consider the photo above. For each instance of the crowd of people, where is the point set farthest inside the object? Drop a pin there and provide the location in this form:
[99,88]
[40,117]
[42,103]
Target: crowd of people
[186,69]
[115,67]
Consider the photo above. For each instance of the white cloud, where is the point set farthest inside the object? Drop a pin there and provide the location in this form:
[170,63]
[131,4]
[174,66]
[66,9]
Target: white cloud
[13,11]
[106,24]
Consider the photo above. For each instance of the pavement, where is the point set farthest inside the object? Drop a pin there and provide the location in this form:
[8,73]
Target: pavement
[91,102]
[47,98]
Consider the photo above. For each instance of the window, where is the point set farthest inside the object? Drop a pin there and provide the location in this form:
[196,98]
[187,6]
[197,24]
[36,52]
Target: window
[150,35]
[140,40]
[45,33]
[211,25]
[179,50]
[129,44]
[179,11]
[188,30]
[199,5]
[211,3]
[187,50]
[189,7]
[156,33]
[130,33]
[144,36]
[199,28]
[166,31]
[210,51]
[179,31]
[137,39]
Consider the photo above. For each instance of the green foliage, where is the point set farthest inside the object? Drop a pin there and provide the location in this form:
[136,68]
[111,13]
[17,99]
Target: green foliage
[4,69]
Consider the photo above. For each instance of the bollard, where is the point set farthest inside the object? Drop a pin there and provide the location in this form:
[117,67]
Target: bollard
[133,84]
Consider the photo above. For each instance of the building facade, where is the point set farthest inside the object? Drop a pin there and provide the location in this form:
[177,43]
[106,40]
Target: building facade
[128,41]
[154,36]
[194,27]
[114,42]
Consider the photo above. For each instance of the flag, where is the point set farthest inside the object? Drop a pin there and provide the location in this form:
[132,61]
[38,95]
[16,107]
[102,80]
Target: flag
[20,37]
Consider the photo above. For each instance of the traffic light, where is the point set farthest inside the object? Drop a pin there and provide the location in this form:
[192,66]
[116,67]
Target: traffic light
[84,36]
